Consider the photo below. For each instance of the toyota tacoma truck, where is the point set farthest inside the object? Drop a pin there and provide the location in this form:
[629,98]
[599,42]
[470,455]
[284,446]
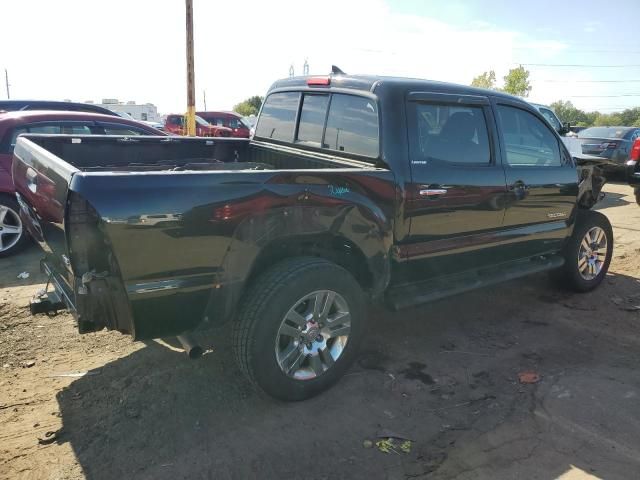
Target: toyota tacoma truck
[353,190]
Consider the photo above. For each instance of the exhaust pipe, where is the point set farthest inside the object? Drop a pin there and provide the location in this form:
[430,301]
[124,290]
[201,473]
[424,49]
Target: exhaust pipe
[190,346]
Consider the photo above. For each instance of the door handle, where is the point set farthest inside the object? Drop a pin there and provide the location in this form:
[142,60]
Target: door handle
[32,180]
[519,185]
[432,192]
[520,189]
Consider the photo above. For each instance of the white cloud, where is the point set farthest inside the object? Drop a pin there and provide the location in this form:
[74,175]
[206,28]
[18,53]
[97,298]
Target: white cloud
[134,50]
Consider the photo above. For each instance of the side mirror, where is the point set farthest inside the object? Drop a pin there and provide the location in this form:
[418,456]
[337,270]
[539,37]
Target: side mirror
[565,128]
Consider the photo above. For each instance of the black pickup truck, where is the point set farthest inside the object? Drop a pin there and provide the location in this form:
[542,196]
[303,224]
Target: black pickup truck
[354,190]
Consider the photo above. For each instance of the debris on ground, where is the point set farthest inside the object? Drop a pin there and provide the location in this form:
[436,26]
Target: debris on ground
[28,363]
[394,445]
[367,444]
[529,377]
[50,437]
[77,374]
[23,275]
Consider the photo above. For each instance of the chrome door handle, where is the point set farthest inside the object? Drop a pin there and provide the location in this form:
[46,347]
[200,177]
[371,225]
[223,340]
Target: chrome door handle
[432,192]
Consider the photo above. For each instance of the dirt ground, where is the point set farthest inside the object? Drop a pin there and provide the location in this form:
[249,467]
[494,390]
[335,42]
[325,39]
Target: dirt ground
[443,375]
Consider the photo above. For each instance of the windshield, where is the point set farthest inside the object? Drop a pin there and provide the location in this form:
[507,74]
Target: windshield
[201,121]
[603,132]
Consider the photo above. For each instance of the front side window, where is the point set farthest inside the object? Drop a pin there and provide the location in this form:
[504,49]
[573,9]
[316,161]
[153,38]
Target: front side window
[278,117]
[528,141]
[452,134]
[312,116]
[352,125]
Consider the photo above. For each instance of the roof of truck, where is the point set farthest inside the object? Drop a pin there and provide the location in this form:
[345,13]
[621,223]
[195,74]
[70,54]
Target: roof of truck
[373,83]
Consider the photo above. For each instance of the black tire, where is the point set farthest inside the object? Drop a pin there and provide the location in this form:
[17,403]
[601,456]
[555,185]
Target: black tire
[636,192]
[569,276]
[263,310]
[12,219]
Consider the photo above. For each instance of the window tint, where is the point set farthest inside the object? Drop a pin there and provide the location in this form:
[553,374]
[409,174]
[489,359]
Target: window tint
[352,125]
[551,118]
[278,116]
[528,141]
[74,129]
[455,134]
[116,130]
[312,116]
[52,129]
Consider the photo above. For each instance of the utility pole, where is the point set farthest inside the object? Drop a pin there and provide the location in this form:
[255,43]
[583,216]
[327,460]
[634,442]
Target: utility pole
[6,81]
[204,96]
[191,87]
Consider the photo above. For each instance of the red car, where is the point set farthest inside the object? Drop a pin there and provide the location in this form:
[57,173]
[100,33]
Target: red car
[230,120]
[12,124]
[175,124]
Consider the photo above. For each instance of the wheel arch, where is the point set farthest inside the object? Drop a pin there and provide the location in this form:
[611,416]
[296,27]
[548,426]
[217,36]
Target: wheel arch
[358,242]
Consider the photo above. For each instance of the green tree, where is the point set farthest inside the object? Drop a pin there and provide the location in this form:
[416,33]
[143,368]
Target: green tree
[486,80]
[516,82]
[250,106]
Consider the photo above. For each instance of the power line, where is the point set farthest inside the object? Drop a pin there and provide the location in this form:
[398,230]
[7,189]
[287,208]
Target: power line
[605,96]
[577,65]
[589,81]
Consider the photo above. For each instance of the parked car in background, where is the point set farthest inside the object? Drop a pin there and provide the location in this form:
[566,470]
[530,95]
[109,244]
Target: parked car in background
[22,105]
[551,117]
[611,143]
[12,124]
[158,125]
[230,120]
[174,124]
[633,169]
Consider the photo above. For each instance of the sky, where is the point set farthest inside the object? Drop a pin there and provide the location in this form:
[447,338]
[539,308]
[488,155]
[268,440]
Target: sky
[135,49]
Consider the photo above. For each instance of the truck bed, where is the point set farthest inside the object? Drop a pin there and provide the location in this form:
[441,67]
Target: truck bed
[95,153]
[153,235]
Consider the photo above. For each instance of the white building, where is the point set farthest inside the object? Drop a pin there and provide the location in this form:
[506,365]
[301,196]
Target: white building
[146,112]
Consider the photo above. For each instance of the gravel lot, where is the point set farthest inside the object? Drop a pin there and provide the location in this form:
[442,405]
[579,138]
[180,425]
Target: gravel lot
[444,376]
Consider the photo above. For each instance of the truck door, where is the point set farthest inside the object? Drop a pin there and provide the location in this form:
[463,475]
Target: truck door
[542,182]
[457,189]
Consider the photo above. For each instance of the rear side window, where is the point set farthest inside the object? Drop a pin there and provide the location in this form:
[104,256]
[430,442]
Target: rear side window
[352,125]
[528,141]
[452,134]
[312,117]
[278,116]
[51,129]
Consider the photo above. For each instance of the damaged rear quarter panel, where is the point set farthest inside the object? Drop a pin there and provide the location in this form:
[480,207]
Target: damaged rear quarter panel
[185,242]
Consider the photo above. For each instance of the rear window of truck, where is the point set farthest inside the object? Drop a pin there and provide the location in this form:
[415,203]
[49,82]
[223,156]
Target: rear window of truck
[328,121]
[278,116]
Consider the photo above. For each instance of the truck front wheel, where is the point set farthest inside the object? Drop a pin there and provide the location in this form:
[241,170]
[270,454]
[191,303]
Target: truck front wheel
[587,253]
[299,328]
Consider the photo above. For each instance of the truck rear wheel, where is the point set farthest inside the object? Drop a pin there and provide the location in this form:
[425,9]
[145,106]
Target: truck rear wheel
[12,233]
[299,328]
[588,253]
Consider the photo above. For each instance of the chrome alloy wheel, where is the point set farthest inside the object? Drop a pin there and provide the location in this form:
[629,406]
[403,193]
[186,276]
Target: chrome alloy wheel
[313,335]
[10,228]
[592,253]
